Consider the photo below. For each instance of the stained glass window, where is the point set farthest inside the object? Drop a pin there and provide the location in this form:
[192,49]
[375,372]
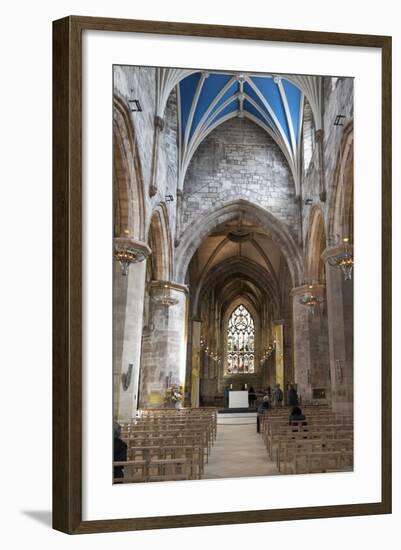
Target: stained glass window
[240,342]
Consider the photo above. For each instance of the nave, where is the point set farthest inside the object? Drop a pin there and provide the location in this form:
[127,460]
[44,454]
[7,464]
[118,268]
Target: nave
[188,444]
[239,450]
[232,275]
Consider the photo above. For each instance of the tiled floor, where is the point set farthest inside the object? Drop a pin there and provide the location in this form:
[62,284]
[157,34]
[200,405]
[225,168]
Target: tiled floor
[238,452]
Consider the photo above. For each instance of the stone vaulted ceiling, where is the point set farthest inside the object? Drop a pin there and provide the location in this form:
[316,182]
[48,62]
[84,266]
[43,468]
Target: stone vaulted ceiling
[207,99]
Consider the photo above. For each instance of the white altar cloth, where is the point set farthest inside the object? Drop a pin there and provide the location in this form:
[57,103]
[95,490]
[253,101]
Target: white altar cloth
[238,399]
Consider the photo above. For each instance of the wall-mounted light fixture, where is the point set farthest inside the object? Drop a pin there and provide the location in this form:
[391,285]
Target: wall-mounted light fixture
[126,377]
[127,251]
[338,121]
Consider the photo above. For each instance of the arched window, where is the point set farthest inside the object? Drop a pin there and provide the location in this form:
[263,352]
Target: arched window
[240,342]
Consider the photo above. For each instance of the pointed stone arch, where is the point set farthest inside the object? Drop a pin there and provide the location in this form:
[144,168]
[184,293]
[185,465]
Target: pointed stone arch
[340,211]
[160,242]
[249,270]
[129,205]
[194,235]
[315,246]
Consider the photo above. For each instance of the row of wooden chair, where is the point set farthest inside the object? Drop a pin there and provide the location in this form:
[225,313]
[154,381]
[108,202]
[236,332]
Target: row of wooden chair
[168,444]
[171,469]
[295,456]
[322,442]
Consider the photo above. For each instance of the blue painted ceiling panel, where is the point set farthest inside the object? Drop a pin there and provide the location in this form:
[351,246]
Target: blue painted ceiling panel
[233,106]
[212,86]
[249,108]
[293,95]
[233,89]
[253,95]
[187,91]
[215,83]
[271,92]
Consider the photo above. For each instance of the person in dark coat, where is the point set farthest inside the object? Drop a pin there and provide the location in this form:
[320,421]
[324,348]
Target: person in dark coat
[251,396]
[263,407]
[296,416]
[226,394]
[293,400]
[119,451]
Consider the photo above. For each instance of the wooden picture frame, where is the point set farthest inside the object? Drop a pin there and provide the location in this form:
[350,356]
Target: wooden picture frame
[67,274]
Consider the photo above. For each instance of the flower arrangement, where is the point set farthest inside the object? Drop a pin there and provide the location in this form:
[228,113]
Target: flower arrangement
[174,394]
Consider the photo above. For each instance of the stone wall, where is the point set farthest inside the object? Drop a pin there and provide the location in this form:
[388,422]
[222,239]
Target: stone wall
[140,83]
[156,349]
[168,160]
[239,160]
[320,355]
[338,99]
[164,348]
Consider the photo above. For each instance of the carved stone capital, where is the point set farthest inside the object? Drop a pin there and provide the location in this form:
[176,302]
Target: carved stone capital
[128,251]
[152,190]
[170,285]
[336,250]
[166,293]
[159,122]
[319,135]
[315,288]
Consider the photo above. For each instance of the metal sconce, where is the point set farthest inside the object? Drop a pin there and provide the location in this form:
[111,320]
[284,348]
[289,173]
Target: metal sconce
[126,377]
[127,251]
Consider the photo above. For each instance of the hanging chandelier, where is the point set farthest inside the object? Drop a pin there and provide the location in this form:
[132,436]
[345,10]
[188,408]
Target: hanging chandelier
[128,251]
[268,352]
[344,260]
[164,297]
[125,257]
[311,301]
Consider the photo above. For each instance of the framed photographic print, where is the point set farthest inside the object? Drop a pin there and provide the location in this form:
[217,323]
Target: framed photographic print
[222,274]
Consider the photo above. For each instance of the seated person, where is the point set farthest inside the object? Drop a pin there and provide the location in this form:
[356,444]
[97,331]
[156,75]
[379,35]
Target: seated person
[264,406]
[119,451]
[296,416]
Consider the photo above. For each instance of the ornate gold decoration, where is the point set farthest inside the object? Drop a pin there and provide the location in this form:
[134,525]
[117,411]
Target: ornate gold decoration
[162,292]
[344,260]
[128,251]
[311,300]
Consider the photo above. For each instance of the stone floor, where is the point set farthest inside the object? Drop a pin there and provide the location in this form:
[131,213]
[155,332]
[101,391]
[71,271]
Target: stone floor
[238,450]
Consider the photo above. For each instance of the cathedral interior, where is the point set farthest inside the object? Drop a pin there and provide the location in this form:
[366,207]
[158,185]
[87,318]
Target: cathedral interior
[233,232]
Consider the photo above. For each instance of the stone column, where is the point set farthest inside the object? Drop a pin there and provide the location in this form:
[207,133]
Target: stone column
[164,345]
[311,362]
[127,331]
[322,181]
[279,377]
[195,379]
[178,212]
[301,343]
[340,312]
[158,127]
[319,350]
